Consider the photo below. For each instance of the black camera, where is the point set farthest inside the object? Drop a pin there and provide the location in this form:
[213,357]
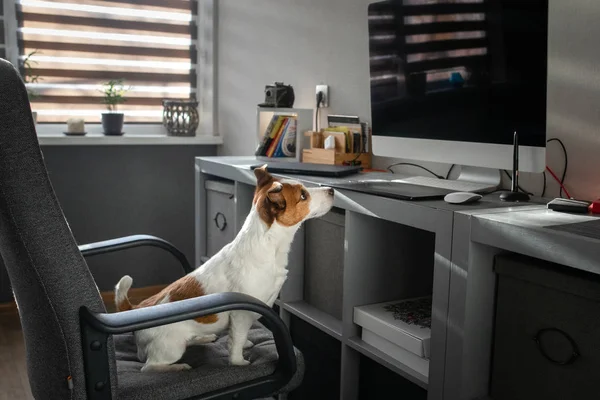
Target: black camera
[278,95]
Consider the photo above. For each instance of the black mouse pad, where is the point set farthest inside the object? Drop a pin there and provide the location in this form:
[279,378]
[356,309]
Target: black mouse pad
[396,190]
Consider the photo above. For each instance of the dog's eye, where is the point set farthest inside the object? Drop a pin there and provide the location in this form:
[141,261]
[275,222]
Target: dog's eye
[303,196]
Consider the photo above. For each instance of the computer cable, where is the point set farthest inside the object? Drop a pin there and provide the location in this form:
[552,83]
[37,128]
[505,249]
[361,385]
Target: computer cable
[414,165]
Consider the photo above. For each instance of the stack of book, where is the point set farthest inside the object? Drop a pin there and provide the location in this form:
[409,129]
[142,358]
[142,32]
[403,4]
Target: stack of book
[279,139]
[400,329]
[355,135]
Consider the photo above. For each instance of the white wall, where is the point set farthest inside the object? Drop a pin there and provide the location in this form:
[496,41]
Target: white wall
[299,42]
[305,42]
[574,93]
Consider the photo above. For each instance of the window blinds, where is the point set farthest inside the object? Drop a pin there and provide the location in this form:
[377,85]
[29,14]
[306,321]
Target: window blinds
[431,37]
[81,44]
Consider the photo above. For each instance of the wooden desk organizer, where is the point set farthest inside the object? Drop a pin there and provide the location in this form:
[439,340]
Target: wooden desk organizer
[316,154]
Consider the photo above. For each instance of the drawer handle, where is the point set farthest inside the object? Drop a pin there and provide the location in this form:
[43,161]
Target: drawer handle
[574,350]
[220,221]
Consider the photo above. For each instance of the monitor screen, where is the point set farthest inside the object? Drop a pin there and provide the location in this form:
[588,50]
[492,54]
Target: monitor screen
[459,70]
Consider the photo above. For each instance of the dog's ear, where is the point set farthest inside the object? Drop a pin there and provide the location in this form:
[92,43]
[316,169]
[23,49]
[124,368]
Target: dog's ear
[262,176]
[275,195]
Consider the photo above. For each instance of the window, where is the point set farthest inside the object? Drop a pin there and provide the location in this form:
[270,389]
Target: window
[80,44]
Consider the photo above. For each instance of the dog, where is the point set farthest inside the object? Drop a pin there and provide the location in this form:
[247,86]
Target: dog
[254,263]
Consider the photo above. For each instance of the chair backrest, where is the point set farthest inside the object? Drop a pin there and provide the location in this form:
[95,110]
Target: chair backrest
[49,277]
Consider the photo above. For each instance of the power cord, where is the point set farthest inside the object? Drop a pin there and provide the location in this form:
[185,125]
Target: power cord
[564,174]
[544,188]
[562,187]
[560,181]
[319,99]
[450,171]
[414,165]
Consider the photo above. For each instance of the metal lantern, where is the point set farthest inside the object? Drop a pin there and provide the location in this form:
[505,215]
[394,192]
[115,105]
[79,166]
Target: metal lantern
[180,117]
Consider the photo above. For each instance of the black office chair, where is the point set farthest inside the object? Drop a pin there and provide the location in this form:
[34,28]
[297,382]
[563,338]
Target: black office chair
[75,350]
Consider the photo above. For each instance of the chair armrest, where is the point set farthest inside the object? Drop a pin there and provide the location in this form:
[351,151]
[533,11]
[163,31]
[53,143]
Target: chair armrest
[96,325]
[128,242]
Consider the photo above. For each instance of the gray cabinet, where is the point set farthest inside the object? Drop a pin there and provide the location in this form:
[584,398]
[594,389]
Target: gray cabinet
[546,332]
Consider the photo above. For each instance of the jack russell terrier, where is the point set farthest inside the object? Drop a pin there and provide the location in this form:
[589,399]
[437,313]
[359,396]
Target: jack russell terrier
[254,263]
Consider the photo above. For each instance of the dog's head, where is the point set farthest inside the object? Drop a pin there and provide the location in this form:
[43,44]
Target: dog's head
[287,202]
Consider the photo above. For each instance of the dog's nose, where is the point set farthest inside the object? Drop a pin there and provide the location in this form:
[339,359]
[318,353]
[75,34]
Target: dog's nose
[330,191]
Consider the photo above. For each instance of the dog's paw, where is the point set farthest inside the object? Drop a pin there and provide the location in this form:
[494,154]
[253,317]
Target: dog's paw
[181,367]
[239,362]
[211,338]
[202,340]
[248,344]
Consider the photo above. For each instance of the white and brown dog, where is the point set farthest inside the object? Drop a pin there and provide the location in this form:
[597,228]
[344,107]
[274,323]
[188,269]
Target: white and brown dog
[254,263]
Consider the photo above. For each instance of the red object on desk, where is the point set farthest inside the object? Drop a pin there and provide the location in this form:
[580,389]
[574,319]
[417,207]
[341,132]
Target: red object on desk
[595,207]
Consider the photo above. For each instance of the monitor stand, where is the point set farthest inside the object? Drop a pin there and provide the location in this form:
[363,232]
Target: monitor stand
[470,179]
[488,178]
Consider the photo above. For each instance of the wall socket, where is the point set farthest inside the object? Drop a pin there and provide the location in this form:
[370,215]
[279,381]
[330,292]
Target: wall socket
[325,100]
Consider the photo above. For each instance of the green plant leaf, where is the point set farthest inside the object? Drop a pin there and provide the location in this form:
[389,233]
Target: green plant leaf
[114,92]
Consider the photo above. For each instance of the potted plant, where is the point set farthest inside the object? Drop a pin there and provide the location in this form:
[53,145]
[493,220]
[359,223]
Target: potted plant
[30,77]
[112,122]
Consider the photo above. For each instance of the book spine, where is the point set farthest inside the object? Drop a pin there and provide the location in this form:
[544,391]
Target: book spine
[337,120]
[365,137]
[278,151]
[289,145]
[272,135]
[261,146]
[356,142]
[275,140]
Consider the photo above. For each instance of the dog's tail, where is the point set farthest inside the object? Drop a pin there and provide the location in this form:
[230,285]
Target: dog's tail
[121,300]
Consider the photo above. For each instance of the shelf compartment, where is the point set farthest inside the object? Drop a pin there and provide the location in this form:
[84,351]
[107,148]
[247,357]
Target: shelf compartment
[317,318]
[380,357]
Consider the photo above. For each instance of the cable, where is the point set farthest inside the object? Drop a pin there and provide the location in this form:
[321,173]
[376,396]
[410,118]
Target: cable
[450,171]
[564,174]
[544,189]
[414,165]
[353,162]
[563,188]
[319,99]
[317,120]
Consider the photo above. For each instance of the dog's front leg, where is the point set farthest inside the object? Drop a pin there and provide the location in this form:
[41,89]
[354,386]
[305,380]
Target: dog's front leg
[239,325]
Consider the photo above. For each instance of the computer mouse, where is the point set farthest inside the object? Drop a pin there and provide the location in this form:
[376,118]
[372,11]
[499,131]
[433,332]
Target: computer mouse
[462,198]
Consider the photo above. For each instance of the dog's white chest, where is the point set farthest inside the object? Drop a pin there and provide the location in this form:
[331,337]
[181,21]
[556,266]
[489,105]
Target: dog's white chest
[264,282]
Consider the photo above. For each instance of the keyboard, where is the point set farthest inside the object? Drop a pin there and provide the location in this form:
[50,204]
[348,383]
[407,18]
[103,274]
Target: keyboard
[454,185]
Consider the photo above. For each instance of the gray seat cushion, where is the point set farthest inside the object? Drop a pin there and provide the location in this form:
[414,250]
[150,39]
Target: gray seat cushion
[210,369]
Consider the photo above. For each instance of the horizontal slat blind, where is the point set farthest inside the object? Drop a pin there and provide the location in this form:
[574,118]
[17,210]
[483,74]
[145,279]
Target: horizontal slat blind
[431,37]
[81,44]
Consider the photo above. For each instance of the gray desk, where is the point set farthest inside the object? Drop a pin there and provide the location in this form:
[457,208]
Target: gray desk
[461,241]
[478,237]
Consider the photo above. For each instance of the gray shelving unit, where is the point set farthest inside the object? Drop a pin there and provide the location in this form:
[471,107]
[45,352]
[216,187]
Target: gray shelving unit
[391,250]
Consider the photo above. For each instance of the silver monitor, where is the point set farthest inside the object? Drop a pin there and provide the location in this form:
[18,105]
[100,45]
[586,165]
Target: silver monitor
[451,81]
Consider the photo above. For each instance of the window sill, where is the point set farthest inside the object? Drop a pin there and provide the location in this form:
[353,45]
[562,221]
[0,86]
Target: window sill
[51,135]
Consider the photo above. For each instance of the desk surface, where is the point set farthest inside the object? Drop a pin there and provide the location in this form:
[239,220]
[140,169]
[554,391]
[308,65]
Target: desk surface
[222,166]
[542,233]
